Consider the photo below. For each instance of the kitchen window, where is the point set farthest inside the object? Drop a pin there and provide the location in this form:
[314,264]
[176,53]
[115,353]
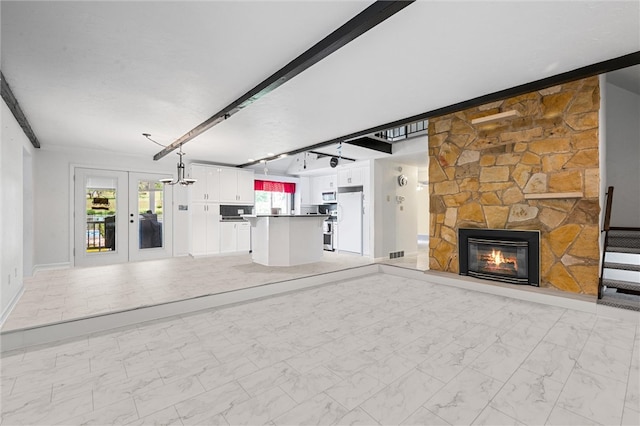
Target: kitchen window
[271,196]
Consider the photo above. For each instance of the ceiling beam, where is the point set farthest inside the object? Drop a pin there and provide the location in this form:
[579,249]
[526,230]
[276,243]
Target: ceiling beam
[371,143]
[14,107]
[355,27]
[590,70]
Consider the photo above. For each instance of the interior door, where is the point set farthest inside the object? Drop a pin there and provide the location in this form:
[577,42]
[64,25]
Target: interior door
[150,207]
[100,212]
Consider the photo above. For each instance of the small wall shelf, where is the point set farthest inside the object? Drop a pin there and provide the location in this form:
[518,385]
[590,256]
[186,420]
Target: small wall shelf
[551,195]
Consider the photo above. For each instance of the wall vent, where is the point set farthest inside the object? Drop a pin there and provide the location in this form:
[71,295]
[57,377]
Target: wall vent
[396,254]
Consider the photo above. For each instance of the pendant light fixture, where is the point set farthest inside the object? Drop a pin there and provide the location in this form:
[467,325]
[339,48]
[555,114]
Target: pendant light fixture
[182,180]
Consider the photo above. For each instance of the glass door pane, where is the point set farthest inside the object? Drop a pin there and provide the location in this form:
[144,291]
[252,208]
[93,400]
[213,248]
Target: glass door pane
[150,209]
[100,219]
[101,204]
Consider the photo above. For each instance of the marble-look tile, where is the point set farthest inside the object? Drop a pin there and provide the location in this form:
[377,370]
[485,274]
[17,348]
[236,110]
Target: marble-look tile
[356,417]
[499,361]
[592,396]
[86,382]
[120,413]
[613,332]
[480,337]
[389,369]
[167,417]
[354,390]
[217,376]
[604,359]
[630,417]
[44,378]
[463,398]
[422,416]
[584,320]
[118,390]
[527,397]
[492,417]
[43,411]
[171,370]
[632,399]
[523,335]
[347,365]
[448,362]
[310,359]
[320,410]
[260,409]
[398,400]
[160,397]
[211,404]
[427,346]
[553,361]
[267,378]
[561,417]
[571,336]
[307,385]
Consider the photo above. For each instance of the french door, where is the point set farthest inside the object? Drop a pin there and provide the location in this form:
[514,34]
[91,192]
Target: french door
[120,217]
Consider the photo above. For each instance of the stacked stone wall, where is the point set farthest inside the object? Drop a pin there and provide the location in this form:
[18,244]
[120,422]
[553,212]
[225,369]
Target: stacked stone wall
[485,175]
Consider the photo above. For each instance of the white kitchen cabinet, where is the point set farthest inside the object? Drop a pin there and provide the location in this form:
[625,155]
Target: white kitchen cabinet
[352,176]
[306,191]
[320,184]
[236,186]
[207,185]
[205,228]
[244,237]
[235,237]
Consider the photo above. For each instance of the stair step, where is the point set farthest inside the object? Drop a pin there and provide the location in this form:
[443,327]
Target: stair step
[634,250]
[622,266]
[620,233]
[618,300]
[627,285]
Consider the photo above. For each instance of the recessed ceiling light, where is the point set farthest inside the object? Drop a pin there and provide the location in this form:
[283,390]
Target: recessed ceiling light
[250,159]
[283,155]
[270,154]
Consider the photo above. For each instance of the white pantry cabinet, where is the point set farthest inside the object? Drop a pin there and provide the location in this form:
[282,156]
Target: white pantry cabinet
[207,185]
[205,228]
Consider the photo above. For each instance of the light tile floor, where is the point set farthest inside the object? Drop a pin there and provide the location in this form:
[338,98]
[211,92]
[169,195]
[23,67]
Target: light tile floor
[375,350]
[57,295]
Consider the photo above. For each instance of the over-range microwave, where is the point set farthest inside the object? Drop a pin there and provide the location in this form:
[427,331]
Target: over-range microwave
[329,197]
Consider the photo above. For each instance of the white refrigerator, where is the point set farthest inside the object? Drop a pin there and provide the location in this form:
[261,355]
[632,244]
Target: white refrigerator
[350,221]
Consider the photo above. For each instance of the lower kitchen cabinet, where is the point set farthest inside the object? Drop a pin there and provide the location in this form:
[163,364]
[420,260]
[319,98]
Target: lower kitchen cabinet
[205,228]
[235,237]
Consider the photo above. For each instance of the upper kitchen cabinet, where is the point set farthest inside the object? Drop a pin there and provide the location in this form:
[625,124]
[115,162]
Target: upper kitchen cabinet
[352,176]
[207,185]
[236,186]
[305,190]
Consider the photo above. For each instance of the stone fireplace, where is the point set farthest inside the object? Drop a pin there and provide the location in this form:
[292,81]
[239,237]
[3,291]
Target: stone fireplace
[537,170]
[500,255]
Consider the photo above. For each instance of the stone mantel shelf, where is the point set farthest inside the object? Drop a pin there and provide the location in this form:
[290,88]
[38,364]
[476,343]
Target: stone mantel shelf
[550,195]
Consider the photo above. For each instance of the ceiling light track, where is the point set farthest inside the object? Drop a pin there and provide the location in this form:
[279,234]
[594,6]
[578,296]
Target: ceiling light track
[355,27]
[14,107]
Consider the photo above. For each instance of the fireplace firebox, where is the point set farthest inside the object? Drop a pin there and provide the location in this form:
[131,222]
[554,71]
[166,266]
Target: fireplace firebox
[500,255]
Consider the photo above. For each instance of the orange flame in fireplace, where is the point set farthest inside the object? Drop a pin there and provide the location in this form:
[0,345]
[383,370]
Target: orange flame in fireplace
[497,259]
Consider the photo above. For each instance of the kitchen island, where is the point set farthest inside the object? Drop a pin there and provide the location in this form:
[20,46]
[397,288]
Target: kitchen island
[286,240]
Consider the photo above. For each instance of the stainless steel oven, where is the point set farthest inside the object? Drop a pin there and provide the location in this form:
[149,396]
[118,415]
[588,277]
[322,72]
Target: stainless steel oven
[327,235]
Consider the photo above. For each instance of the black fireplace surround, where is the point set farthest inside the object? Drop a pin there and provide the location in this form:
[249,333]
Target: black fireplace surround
[500,255]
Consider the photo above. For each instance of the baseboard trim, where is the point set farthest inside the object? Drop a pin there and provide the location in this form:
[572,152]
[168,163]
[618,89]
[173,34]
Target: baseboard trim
[50,267]
[11,306]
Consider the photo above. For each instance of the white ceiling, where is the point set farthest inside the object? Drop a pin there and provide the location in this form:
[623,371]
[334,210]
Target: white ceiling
[98,74]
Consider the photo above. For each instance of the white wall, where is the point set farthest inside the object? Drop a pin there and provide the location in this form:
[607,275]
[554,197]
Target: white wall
[14,144]
[53,197]
[623,154]
[423,203]
[396,224]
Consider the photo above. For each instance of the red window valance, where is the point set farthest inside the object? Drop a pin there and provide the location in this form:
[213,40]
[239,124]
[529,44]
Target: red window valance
[273,186]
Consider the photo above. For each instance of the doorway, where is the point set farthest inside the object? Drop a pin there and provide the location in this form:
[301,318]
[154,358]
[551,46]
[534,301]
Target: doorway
[120,217]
